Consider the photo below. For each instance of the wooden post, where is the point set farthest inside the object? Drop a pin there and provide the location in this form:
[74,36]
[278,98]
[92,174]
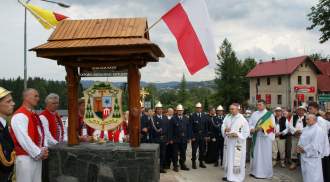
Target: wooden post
[134,125]
[72,84]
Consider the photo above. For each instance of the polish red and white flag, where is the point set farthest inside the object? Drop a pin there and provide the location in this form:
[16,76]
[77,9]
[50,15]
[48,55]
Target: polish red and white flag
[190,23]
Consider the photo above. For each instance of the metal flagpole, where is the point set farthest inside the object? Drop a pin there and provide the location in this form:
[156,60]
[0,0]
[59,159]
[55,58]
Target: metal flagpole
[25,32]
[25,46]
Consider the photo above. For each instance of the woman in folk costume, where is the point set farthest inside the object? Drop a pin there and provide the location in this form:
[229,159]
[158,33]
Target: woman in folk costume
[235,130]
[29,139]
[51,121]
[311,146]
[121,133]
[7,155]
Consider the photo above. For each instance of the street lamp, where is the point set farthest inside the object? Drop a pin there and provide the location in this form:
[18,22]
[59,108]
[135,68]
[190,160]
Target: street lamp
[25,36]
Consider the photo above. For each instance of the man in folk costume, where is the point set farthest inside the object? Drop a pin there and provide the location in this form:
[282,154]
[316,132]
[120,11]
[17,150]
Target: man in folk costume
[199,137]
[281,131]
[51,120]
[161,133]
[29,139]
[7,155]
[311,146]
[235,130]
[313,108]
[262,139]
[218,121]
[296,127]
[181,137]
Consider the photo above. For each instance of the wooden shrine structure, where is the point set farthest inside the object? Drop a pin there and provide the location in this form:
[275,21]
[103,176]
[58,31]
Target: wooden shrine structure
[102,47]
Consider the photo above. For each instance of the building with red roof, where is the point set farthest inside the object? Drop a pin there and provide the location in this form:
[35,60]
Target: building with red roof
[284,83]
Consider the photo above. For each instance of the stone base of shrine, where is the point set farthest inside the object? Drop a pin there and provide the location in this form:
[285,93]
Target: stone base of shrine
[108,162]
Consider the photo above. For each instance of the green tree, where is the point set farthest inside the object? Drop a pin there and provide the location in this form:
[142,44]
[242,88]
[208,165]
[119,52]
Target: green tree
[229,76]
[183,95]
[320,17]
[247,65]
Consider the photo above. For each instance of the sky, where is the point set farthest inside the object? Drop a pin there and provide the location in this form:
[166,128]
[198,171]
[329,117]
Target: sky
[256,28]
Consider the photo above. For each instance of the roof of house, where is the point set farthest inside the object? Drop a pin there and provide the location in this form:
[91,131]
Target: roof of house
[323,80]
[277,67]
[100,37]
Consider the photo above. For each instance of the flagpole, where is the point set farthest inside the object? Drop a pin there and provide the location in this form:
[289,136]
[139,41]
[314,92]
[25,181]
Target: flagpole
[25,31]
[153,25]
[25,60]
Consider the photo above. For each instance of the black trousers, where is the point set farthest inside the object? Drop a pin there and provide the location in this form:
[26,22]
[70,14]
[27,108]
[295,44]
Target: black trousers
[169,155]
[199,144]
[219,150]
[162,154]
[4,176]
[180,149]
[326,168]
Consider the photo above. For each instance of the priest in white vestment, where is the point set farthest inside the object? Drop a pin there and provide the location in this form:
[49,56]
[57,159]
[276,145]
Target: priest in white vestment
[261,161]
[311,146]
[235,130]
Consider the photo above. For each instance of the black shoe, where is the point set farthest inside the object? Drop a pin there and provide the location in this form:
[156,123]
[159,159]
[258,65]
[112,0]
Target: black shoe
[216,164]
[176,169]
[224,179]
[184,167]
[162,171]
[202,165]
[194,165]
[167,167]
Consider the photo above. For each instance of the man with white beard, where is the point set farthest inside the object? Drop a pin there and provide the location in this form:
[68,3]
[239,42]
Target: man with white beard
[235,130]
[311,146]
[261,158]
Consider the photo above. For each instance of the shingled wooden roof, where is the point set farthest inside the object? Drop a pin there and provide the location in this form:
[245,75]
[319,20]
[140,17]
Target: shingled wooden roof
[100,39]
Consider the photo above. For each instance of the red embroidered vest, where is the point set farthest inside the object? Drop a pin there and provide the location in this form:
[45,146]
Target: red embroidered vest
[33,133]
[53,125]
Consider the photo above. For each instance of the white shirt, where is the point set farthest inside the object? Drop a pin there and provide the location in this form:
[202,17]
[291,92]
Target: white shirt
[19,124]
[299,125]
[49,138]
[3,122]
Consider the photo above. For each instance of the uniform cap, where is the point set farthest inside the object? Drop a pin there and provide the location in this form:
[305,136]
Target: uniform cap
[220,108]
[4,92]
[159,105]
[179,107]
[198,105]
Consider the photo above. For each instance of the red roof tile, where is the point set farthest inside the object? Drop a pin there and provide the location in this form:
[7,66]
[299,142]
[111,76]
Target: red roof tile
[323,80]
[276,67]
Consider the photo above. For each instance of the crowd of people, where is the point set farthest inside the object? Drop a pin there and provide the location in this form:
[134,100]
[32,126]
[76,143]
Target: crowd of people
[293,139]
[264,138]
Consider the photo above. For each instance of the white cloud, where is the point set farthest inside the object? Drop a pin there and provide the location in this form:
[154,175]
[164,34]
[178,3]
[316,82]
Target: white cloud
[257,28]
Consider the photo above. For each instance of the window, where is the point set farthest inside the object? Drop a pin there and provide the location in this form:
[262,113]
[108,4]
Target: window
[308,80]
[279,80]
[258,81]
[299,80]
[268,81]
[279,99]
[301,65]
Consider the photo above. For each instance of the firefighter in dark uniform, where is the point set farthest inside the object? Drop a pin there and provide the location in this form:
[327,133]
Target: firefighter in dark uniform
[181,137]
[216,128]
[161,133]
[7,156]
[199,123]
[145,124]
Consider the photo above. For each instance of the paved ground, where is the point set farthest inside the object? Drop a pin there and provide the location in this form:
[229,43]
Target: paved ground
[215,174]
